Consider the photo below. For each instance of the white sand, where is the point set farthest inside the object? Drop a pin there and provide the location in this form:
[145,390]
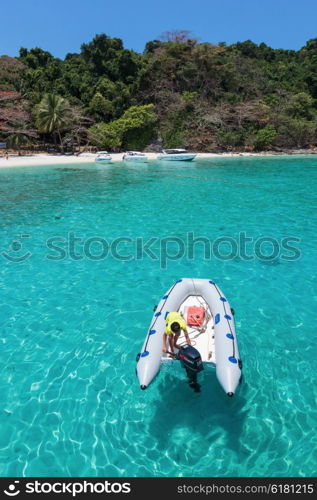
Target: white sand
[44,159]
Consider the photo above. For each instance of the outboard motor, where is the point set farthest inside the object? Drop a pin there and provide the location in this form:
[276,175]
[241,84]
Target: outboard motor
[191,361]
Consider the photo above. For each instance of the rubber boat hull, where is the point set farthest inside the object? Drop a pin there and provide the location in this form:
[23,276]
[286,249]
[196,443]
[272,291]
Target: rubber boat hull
[227,360]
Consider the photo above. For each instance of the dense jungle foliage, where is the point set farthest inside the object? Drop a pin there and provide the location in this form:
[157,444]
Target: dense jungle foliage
[178,93]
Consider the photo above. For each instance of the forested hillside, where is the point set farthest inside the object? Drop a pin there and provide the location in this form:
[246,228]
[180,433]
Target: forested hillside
[178,93]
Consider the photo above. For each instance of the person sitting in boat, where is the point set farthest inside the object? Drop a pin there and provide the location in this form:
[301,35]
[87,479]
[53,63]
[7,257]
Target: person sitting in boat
[174,324]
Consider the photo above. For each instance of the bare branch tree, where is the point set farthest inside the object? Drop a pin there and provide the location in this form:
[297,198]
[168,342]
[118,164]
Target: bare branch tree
[178,36]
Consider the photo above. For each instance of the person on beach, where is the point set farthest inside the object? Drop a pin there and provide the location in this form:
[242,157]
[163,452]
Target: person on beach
[6,155]
[174,324]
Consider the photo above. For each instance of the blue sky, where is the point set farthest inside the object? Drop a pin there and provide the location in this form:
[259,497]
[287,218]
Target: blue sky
[61,26]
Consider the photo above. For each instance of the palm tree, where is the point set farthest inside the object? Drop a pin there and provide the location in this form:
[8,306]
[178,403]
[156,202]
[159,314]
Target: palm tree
[18,139]
[52,115]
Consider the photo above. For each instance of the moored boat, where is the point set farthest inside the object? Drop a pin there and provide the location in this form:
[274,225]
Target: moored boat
[176,155]
[103,157]
[135,156]
[211,329]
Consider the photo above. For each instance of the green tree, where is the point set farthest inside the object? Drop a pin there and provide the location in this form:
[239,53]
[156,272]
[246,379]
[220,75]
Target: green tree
[104,136]
[301,106]
[107,88]
[296,132]
[229,139]
[100,54]
[151,46]
[137,126]
[265,138]
[18,139]
[100,108]
[52,116]
[36,57]
[133,130]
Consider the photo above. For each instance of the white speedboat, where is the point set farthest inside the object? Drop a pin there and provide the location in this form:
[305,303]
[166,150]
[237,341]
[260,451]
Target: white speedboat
[176,155]
[103,157]
[210,325]
[135,156]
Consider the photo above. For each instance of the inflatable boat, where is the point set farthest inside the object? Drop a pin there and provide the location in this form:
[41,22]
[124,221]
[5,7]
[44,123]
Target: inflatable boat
[210,325]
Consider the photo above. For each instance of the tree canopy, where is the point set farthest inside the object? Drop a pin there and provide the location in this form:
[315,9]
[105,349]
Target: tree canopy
[243,96]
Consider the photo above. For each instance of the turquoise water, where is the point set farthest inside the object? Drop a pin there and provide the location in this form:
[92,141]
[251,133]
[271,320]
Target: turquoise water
[73,324]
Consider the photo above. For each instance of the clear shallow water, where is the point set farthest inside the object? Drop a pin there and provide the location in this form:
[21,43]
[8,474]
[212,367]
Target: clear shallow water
[71,328]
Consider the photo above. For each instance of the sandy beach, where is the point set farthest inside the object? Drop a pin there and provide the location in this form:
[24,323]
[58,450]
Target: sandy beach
[45,159]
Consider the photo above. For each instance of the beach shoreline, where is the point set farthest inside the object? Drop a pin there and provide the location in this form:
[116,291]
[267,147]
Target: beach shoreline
[46,159]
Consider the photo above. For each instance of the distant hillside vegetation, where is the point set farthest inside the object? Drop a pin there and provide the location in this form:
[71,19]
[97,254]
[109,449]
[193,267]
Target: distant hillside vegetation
[179,93]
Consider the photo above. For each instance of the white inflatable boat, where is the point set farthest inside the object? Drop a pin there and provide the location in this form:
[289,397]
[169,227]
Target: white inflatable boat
[211,329]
